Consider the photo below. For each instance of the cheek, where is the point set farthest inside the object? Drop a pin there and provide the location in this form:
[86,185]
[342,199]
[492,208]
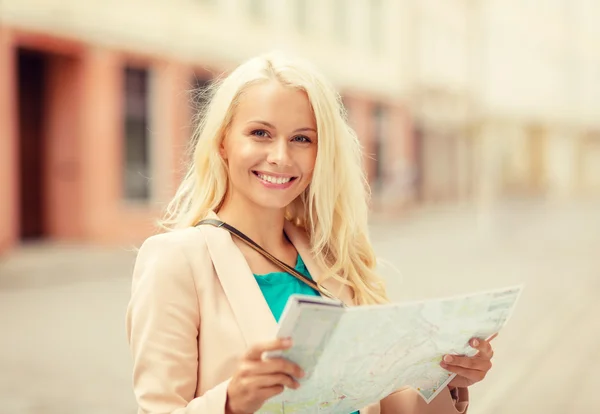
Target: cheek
[242,156]
[309,163]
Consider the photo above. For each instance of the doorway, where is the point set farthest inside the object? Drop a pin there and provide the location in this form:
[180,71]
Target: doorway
[31,74]
[48,127]
[537,148]
[418,137]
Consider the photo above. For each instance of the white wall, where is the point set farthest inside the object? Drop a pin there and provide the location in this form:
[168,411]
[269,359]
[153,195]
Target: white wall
[441,38]
[222,31]
[586,61]
[541,59]
[561,162]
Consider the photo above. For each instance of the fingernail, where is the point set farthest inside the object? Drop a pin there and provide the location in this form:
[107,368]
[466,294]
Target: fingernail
[475,342]
[301,374]
[286,342]
[447,358]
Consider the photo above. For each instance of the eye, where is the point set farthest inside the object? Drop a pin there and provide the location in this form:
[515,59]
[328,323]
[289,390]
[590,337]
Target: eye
[301,138]
[260,133]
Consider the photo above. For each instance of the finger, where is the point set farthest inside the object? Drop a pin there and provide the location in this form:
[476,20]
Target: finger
[470,374]
[255,352]
[484,347]
[272,380]
[265,393]
[473,363]
[491,338]
[278,366]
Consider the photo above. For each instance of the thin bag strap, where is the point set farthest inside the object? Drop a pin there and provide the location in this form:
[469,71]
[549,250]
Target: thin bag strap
[282,265]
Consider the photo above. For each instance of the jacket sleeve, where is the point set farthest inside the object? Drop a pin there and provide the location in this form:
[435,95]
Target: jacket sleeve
[408,401]
[163,326]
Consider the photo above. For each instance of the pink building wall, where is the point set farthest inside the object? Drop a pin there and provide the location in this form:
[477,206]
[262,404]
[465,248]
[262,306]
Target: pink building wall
[63,179]
[360,108]
[84,132]
[398,147]
[8,142]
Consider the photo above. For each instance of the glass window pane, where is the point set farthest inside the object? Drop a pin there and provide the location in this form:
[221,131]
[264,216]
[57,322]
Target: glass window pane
[300,14]
[137,146]
[257,9]
[376,24]
[340,14]
[379,118]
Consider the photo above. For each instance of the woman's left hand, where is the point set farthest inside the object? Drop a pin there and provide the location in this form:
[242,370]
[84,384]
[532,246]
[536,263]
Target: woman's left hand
[473,369]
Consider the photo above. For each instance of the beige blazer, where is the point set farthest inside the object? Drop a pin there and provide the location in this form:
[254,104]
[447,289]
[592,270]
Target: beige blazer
[195,308]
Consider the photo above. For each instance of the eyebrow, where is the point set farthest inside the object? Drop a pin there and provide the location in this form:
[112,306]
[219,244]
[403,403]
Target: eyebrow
[268,124]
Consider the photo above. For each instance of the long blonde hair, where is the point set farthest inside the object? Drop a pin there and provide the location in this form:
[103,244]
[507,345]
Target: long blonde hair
[333,210]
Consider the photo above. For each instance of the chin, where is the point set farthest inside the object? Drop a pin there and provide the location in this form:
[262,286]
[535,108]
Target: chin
[273,203]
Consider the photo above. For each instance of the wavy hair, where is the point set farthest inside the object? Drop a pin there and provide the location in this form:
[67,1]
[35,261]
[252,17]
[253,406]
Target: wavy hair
[333,210]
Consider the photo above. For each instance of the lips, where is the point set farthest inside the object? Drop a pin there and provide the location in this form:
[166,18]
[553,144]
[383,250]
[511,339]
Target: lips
[274,179]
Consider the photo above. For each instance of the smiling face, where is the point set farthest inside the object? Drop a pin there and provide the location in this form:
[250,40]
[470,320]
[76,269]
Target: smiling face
[270,146]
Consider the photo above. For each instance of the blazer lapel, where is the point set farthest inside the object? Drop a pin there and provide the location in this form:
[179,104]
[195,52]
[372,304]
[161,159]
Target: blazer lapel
[300,240]
[247,302]
[255,318]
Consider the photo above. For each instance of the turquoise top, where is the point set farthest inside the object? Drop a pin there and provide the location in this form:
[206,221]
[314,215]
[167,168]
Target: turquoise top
[277,287]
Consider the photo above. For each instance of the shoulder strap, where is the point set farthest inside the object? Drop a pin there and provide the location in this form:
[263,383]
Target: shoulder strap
[282,265]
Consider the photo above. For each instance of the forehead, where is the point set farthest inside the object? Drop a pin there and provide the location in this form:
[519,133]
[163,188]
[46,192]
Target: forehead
[271,101]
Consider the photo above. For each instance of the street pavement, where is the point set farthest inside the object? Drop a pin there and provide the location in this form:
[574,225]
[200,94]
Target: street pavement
[62,335]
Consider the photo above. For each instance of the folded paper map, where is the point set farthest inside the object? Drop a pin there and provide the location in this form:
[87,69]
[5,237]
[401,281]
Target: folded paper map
[356,356]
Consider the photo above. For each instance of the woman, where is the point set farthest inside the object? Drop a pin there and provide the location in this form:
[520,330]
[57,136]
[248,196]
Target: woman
[276,160]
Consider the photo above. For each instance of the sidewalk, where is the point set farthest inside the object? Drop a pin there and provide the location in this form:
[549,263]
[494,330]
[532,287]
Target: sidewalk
[62,308]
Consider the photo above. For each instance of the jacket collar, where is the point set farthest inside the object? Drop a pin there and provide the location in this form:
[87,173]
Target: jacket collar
[245,297]
[301,242]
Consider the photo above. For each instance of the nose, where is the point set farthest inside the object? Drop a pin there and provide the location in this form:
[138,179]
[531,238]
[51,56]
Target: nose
[279,153]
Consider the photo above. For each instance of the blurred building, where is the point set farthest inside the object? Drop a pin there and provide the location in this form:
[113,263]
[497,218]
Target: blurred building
[505,97]
[95,115]
[452,100]
[437,49]
[538,96]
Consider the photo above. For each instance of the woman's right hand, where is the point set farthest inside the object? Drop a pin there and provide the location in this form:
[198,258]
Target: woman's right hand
[256,379]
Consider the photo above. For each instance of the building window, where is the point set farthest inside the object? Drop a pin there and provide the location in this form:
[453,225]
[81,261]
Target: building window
[340,15]
[301,14]
[137,137]
[345,107]
[379,120]
[199,99]
[257,9]
[200,92]
[376,24]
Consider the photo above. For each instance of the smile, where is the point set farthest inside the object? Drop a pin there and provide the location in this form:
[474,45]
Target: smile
[273,179]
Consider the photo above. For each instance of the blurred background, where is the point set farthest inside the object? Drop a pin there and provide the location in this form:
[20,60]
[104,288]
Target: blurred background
[480,121]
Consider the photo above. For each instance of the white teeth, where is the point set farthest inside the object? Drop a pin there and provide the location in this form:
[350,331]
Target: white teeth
[274,180]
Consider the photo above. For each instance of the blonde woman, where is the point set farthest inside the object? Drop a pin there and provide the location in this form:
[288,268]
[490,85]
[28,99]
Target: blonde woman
[276,161]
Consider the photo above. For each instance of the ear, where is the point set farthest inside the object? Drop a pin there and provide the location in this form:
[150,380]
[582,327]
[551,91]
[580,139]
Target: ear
[222,150]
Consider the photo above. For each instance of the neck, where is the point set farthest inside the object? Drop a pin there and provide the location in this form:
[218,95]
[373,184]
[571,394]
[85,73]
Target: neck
[262,225]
